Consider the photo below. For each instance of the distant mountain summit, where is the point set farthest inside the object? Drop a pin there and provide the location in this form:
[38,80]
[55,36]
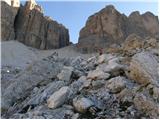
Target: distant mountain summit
[108,26]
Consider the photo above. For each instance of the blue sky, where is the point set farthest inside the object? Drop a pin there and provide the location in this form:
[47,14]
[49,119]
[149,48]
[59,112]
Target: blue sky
[73,15]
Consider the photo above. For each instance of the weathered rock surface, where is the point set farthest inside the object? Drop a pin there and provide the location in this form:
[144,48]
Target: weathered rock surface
[8,15]
[58,98]
[144,68]
[97,74]
[143,103]
[116,84]
[81,104]
[109,26]
[34,75]
[65,74]
[32,28]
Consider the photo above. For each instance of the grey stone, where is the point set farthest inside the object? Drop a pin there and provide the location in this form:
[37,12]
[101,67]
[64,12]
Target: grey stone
[81,104]
[144,68]
[116,84]
[58,98]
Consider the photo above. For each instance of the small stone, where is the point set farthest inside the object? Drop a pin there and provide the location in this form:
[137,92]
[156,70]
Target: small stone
[58,98]
[75,116]
[116,84]
[156,93]
[81,104]
[97,74]
[104,58]
[98,83]
[65,74]
[114,68]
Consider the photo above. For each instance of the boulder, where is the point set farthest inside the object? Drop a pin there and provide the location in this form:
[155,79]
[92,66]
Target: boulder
[98,83]
[113,66]
[58,98]
[132,42]
[116,84]
[81,104]
[146,105]
[144,68]
[65,74]
[104,58]
[114,69]
[81,83]
[97,74]
[39,97]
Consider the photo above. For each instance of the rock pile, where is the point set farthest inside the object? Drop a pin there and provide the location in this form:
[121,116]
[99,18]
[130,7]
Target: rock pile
[106,86]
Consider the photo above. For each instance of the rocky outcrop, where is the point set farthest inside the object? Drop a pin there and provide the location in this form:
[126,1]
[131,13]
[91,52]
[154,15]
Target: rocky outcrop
[34,29]
[8,15]
[109,26]
[143,25]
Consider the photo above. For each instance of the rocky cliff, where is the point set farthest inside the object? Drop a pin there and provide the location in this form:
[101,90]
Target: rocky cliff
[109,26]
[7,21]
[32,28]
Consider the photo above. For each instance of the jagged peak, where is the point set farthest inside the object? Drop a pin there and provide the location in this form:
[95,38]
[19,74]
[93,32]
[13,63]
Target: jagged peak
[135,13]
[148,13]
[109,7]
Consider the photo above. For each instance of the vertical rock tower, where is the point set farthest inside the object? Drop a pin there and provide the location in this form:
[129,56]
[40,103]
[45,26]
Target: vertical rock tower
[13,3]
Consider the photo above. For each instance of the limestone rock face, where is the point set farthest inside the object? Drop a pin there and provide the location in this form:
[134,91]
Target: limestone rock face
[32,28]
[8,15]
[143,25]
[102,28]
[108,26]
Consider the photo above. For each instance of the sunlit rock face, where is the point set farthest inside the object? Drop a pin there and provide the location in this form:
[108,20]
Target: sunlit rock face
[109,26]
